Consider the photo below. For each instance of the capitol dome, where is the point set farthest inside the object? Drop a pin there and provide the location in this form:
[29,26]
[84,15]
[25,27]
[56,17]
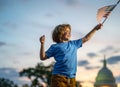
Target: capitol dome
[105,77]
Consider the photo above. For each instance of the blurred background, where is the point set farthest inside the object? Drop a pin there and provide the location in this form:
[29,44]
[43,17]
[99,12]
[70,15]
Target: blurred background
[22,22]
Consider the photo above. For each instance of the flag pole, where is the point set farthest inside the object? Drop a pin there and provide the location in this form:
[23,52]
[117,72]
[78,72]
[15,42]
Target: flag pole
[104,20]
[112,10]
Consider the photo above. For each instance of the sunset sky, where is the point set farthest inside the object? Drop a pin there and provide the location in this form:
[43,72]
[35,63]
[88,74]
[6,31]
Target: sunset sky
[22,22]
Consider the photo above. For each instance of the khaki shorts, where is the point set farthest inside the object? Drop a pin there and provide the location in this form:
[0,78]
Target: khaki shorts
[62,81]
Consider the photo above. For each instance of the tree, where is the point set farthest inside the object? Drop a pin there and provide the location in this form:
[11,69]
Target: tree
[7,83]
[39,72]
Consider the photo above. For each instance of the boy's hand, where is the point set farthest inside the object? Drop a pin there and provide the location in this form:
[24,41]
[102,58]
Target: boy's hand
[42,39]
[99,26]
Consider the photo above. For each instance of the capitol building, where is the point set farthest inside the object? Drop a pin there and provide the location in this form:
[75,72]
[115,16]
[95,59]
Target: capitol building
[105,77]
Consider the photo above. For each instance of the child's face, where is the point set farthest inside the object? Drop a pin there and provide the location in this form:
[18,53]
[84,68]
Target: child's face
[67,34]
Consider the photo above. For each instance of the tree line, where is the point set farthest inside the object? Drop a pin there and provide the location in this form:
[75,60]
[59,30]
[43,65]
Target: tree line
[40,73]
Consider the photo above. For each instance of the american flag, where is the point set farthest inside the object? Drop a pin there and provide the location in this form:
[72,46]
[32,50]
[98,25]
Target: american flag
[104,12]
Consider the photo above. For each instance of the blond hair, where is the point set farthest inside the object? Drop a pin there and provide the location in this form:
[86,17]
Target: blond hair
[59,31]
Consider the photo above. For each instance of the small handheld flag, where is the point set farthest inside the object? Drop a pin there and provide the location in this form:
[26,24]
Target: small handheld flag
[105,11]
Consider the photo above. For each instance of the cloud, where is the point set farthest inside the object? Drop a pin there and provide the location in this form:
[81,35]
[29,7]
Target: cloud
[2,43]
[10,25]
[117,50]
[49,15]
[91,67]
[83,63]
[107,49]
[7,44]
[37,25]
[12,74]
[91,55]
[8,72]
[113,60]
[72,2]
[110,50]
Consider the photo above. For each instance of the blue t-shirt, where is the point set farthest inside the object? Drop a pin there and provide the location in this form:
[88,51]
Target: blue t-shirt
[65,55]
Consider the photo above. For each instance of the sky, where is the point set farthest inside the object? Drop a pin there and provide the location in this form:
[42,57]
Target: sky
[22,22]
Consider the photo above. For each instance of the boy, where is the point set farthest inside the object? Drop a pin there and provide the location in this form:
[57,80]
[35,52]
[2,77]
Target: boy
[65,54]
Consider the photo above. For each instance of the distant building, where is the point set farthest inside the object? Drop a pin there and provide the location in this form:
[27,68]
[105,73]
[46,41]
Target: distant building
[105,77]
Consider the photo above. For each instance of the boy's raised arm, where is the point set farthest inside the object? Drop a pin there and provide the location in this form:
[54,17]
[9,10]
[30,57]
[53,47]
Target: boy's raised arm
[91,33]
[42,51]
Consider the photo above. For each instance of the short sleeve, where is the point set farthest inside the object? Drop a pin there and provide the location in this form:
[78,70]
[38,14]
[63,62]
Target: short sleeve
[50,51]
[78,43]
